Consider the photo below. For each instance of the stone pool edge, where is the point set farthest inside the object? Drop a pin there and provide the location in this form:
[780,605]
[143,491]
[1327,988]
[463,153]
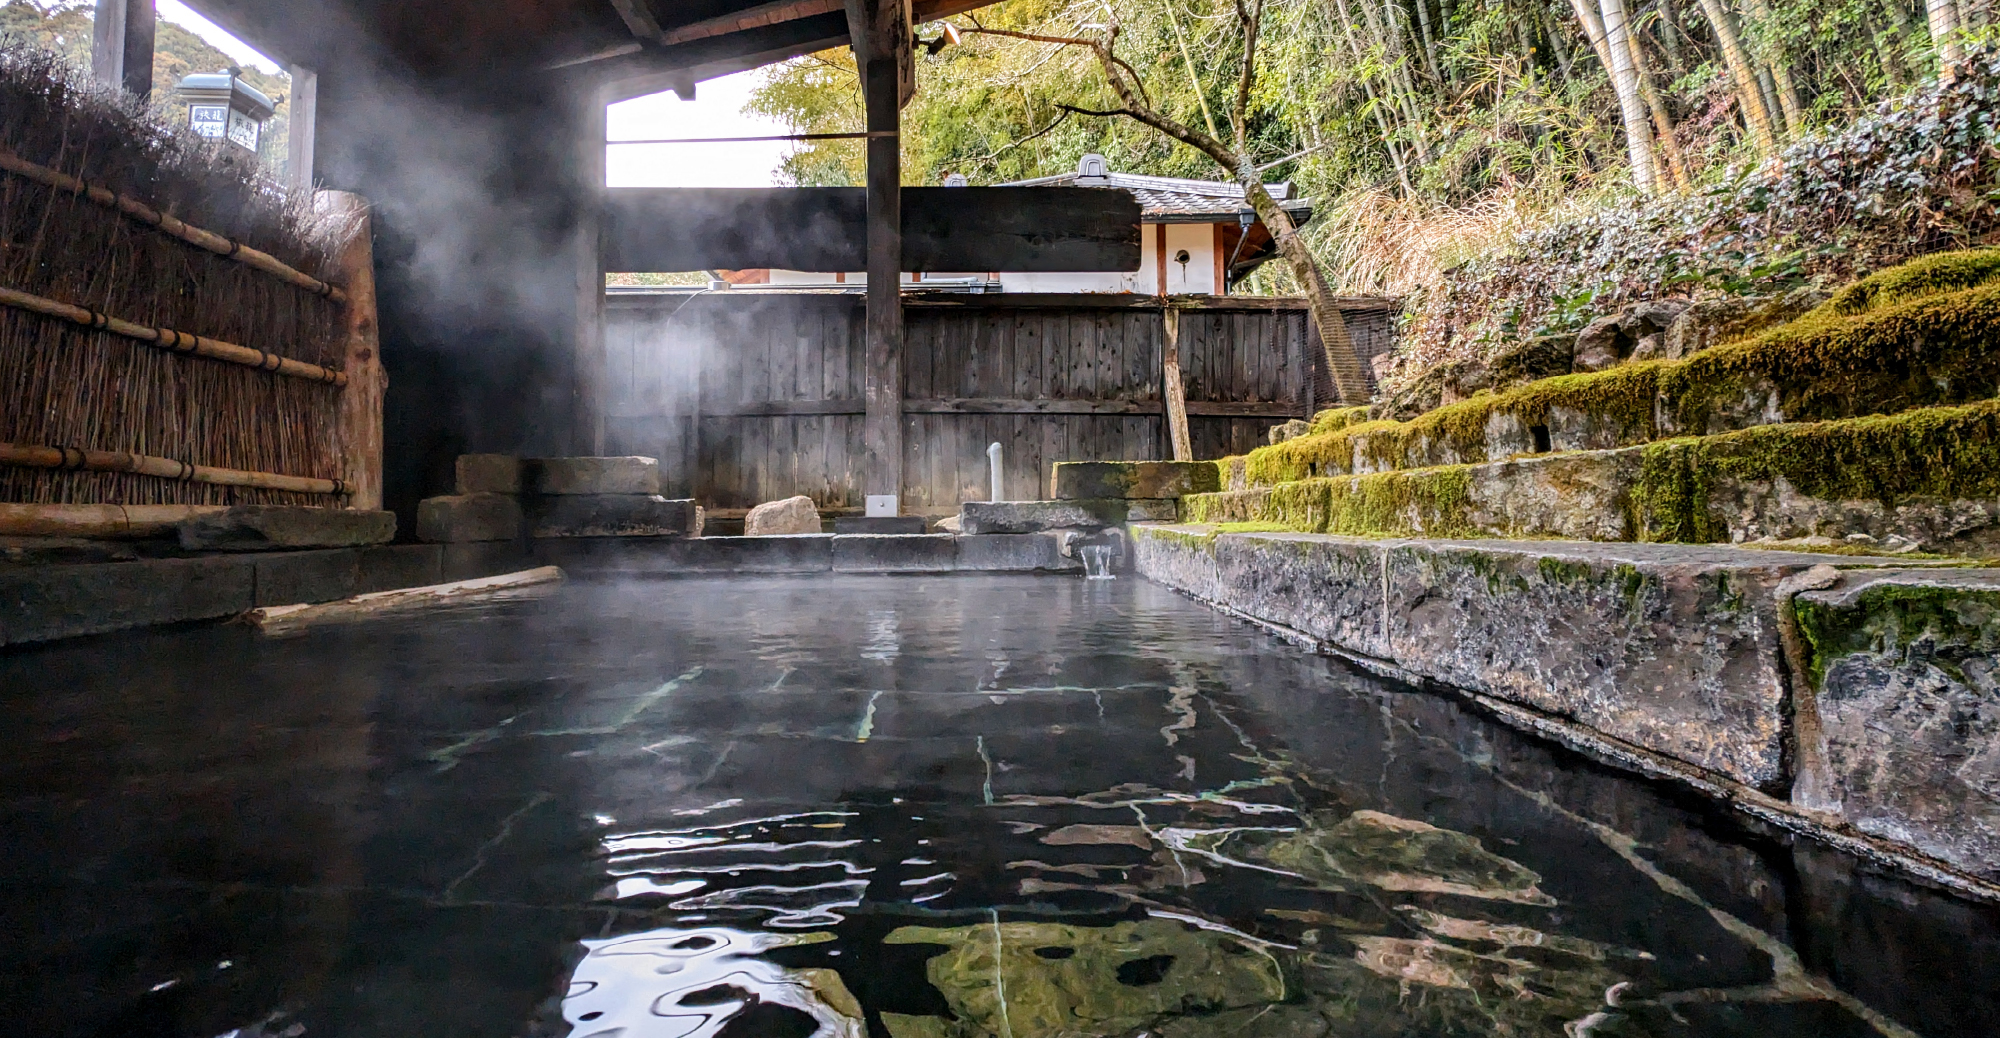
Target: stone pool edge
[1464,617]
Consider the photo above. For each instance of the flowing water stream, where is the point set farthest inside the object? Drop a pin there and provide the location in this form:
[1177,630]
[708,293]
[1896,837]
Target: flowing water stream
[902,807]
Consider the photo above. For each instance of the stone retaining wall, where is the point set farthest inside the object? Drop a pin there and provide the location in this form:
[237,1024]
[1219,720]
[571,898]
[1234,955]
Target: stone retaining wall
[1674,652]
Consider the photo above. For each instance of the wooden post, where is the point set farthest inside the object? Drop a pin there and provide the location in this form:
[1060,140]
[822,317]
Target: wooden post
[302,129]
[361,399]
[121,45]
[880,31]
[591,387]
[1176,390]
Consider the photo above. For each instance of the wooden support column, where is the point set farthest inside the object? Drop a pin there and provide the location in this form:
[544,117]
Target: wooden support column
[121,45]
[361,398]
[1174,389]
[880,31]
[592,387]
[303,128]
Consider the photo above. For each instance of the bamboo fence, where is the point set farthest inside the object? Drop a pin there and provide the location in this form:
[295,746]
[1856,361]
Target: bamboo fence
[133,261]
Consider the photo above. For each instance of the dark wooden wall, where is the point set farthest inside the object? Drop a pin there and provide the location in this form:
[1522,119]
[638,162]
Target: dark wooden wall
[750,396]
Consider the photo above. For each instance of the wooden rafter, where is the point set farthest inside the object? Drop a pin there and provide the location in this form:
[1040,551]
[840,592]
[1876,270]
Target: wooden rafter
[751,18]
[638,17]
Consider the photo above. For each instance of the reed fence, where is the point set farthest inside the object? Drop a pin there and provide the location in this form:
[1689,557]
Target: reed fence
[160,302]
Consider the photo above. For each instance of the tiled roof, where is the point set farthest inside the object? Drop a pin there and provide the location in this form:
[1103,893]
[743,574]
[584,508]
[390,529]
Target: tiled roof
[1169,196]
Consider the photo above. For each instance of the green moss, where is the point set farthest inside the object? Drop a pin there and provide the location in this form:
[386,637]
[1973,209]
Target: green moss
[1925,351]
[1940,453]
[1940,272]
[1254,527]
[1890,619]
[1337,418]
[1199,539]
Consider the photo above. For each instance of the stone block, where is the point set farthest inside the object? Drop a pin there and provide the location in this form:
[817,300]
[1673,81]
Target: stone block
[394,566]
[793,515]
[470,559]
[469,517]
[1077,480]
[1905,666]
[895,553]
[41,603]
[627,475]
[879,524]
[1040,516]
[614,515]
[278,527]
[1153,510]
[1672,648]
[1013,553]
[489,474]
[288,578]
[668,557]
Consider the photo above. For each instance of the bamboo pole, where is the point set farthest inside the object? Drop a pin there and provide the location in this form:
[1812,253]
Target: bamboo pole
[360,417]
[171,340]
[121,522]
[186,232]
[74,458]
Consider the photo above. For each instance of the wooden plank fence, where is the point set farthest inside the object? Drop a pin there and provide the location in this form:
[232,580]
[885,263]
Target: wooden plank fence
[751,396]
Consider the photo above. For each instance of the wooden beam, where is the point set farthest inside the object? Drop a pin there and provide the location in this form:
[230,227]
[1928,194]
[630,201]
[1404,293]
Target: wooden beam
[638,17]
[360,422]
[990,405]
[303,128]
[751,18]
[825,228]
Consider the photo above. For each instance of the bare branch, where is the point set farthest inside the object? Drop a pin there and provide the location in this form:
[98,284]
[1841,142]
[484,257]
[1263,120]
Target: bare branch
[1067,111]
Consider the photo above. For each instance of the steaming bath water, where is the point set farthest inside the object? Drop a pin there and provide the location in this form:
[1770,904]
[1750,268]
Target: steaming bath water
[907,807]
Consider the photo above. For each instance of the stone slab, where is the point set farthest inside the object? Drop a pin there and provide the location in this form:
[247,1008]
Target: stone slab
[1040,516]
[489,474]
[626,475]
[1672,648]
[469,517]
[285,578]
[42,603]
[393,566]
[644,557]
[280,527]
[614,515]
[1153,510]
[895,553]
[1013,553]
[879,524]
[1080,480]
[1906,673]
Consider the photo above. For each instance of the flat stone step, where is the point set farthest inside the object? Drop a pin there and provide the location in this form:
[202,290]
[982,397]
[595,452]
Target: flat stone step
[809,553]
[1926,480]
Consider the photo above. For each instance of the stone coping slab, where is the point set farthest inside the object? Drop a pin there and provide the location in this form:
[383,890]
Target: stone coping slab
[808,553]
[1903,667]
[45,603]
[1673,648]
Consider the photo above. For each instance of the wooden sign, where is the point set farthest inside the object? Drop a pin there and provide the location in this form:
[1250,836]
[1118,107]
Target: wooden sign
[824,229]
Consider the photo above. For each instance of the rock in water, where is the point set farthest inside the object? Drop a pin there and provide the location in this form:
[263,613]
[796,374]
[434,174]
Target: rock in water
[773,518]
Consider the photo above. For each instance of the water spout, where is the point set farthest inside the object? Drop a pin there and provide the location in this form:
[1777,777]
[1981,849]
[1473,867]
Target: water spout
[993,459]
[1097,561]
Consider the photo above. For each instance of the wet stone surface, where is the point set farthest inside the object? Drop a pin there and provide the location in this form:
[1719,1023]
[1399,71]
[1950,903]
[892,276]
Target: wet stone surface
[906,807]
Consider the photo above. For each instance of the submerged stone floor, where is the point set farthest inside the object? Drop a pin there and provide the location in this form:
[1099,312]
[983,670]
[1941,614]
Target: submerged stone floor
[911,807]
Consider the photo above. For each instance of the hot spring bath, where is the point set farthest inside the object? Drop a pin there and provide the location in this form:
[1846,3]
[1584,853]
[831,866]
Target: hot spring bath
[915,806]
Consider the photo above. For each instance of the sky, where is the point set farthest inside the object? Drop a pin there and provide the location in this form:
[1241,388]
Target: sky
[716,111]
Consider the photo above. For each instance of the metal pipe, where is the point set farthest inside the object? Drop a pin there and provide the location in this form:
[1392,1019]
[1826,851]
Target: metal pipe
[993,459]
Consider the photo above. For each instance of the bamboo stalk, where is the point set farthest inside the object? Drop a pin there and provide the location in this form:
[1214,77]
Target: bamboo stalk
[97,521]
[171,340]
[186,232]
[74,459]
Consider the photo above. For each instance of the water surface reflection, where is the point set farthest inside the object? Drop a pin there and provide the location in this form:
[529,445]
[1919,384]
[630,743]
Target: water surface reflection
[902,807]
